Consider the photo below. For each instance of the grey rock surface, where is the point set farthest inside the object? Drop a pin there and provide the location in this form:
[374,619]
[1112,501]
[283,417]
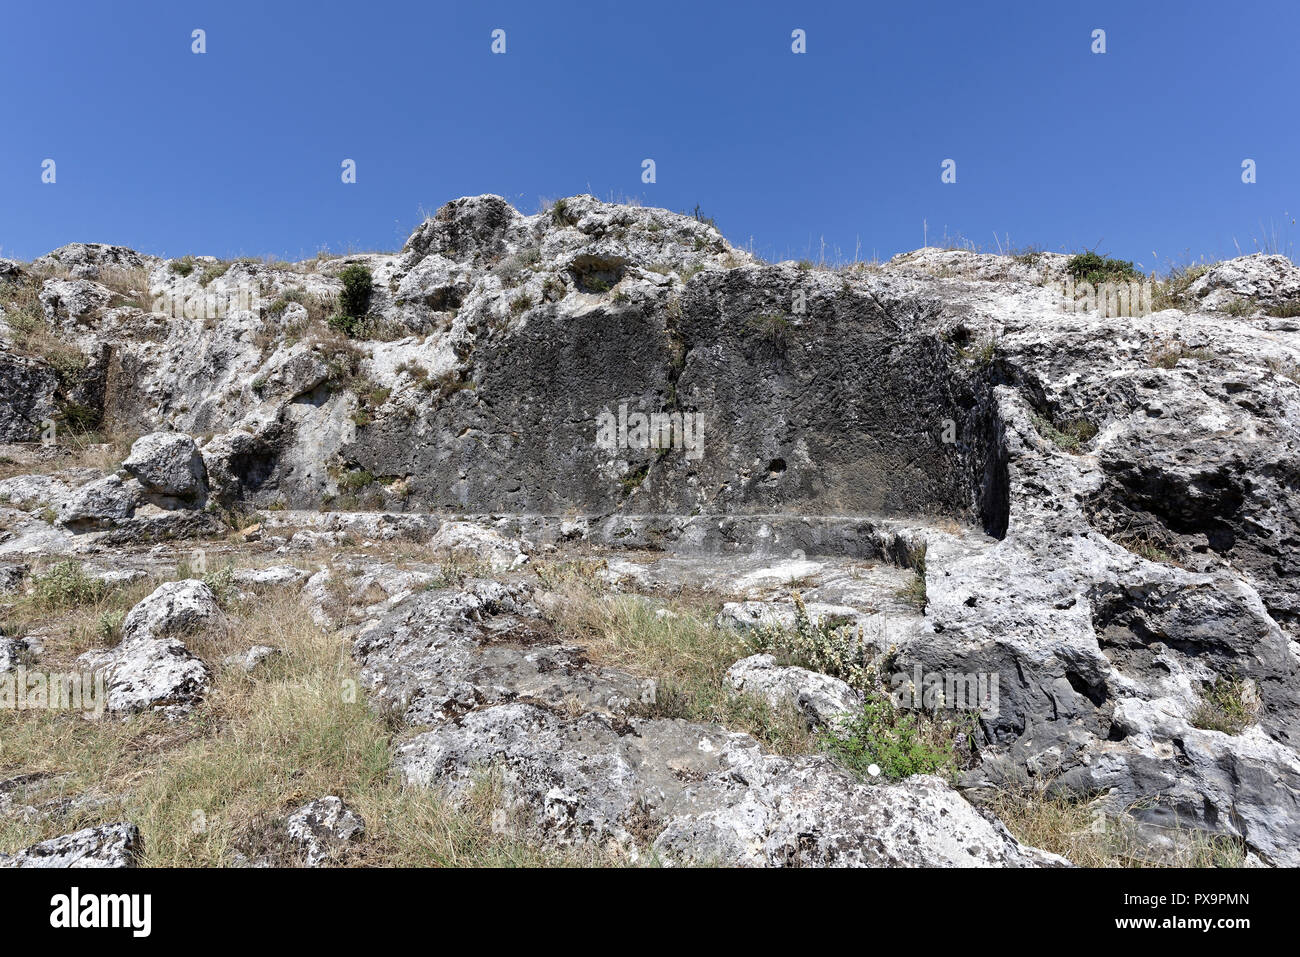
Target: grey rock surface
[168,465]
[112,845]
[1103,510]
[98,505]
[322,830]
[821,699]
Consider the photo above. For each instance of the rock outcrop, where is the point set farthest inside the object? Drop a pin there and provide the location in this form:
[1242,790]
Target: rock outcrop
[1099,511]
[113,845]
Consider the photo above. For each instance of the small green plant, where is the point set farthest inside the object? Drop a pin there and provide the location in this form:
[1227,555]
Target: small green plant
[1228,706]
[222,583]
[1240,307]
[520,303]
[213,271]
[66,585]
[182,267]
[633,479]
[1070,435]
[108,627]
[354,300]
[832,648]
[1091,268]
[1285,310]
[562,215]
[774,331]
[356,479]
[1146,547]
[982,354]
[1171,292]
[896,742]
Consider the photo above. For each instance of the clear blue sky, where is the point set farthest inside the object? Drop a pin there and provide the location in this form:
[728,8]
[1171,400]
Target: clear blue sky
[238,151]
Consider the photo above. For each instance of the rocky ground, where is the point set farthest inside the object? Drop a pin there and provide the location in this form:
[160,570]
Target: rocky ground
[366,587]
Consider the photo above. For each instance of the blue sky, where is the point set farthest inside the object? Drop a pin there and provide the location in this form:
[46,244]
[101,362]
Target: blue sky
[238,151]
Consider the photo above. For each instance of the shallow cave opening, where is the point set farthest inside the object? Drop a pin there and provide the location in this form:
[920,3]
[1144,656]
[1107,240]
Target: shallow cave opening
[597,274]
[253,466]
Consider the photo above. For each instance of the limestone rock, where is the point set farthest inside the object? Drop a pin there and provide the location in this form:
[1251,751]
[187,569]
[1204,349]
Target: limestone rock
[112,845]
[821,699]
[168,464]
[323,829]
[98,505]
[173,609]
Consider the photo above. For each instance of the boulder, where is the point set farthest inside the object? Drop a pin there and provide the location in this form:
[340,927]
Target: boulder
[150,674]
[485,544]
[86,260]
[699,794]
[322,830]
[821,699]
[27,398]
[173,609]
[111,845]
[97,505]
[1263,278]
[169,467]
[12,651]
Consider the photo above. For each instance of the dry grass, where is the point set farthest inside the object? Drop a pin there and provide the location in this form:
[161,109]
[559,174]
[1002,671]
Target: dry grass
[686,654]
[102,450]
[71,611]
[218,784]
[1077,831]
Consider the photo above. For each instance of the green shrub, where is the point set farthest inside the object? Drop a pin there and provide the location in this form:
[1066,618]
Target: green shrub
[354,300]
[213,271]
[1229,706]
[1091,268]
[899,743]
[66,585]
[356,479]
[1069,436]
[561,215]
[182,267]
[816,644]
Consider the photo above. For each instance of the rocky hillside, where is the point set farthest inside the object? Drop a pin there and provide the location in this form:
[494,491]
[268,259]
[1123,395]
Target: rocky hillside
[868,476]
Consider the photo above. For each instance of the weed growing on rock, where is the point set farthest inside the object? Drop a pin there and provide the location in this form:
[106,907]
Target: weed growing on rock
[354,300]
[1091,268]
[1166,354]
[1171,292]
[774,332]
[213,271]
[1228,706]
[1070,436]
[687,655]
[1079,830]
[898,743]
[816,644]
